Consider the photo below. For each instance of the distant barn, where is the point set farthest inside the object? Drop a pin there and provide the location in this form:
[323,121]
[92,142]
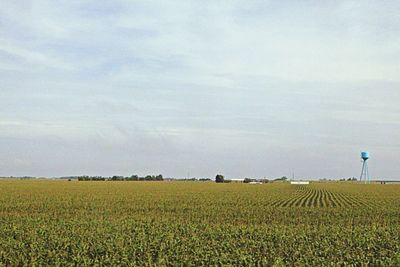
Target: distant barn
[299,182]
[237,180]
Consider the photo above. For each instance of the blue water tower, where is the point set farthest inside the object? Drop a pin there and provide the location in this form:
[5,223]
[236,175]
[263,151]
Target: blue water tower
[364,170]
[365,155]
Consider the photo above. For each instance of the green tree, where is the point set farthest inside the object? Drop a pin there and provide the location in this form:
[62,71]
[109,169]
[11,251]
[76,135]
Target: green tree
[247,180]
[219,178]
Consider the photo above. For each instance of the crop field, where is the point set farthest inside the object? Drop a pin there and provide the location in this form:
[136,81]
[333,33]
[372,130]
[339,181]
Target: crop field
[198,224]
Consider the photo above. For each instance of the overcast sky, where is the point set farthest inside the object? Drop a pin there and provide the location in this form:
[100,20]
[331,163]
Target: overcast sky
[196,88]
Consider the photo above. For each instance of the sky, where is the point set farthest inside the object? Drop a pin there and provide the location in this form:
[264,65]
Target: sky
[195,88]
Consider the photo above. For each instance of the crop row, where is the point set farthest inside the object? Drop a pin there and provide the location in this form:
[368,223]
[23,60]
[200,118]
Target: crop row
[304,196]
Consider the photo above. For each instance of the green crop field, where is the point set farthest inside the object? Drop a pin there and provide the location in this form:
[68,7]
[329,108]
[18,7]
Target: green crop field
[195,223]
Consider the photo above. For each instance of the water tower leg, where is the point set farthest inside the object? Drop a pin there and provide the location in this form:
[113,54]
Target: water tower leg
[362,171]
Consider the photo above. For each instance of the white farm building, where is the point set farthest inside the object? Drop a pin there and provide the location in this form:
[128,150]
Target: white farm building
[299,182]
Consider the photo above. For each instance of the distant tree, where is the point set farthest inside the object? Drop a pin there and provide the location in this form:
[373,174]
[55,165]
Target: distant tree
[97,178]
[133,178]
[247,180]
[117,178]
[219,178]
[84,178]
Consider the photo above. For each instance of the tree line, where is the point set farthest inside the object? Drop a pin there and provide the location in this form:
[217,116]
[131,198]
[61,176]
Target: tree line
[122,178]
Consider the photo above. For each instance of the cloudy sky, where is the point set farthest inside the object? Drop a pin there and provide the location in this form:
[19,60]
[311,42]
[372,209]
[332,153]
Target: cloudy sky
[196,88]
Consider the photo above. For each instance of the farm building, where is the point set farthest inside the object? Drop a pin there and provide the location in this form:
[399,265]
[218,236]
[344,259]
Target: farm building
[299,182]
[386,182]
[237,180]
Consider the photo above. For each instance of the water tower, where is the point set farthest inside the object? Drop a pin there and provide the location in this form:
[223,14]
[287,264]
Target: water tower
[364,171]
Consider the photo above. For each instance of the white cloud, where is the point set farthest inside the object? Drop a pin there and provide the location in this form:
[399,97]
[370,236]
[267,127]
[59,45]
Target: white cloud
[212,80]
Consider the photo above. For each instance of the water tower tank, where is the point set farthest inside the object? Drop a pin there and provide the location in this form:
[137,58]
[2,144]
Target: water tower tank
[364,155]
